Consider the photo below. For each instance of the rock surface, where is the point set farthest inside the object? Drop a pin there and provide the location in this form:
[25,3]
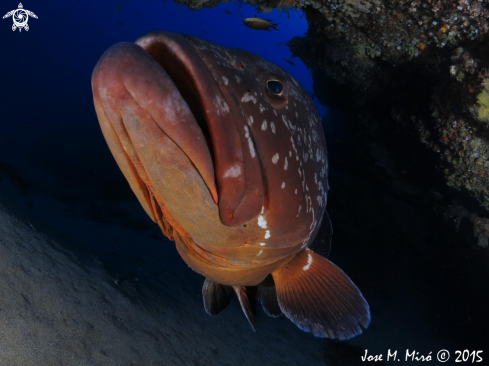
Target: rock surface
[413,72]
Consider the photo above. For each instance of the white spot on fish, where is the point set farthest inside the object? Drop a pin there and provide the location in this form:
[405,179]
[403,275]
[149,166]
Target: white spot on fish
[285,122]
[313,222]
[225,79]
[275,158]
[238,79]
[283,185]
[264,125]
[309,262]
[219,103]
[260,252]
[267,234]
[233,172]
[296,191]
[262,210]
[293,145]
[286,164]
[262,108]
[247,97]
[262,222]
[274,111]
[299,211]
[250,142]
[262,244]
[250,120]
[272,126]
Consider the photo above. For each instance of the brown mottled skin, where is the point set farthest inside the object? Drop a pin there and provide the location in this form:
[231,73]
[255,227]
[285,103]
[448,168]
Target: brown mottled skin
[234,173]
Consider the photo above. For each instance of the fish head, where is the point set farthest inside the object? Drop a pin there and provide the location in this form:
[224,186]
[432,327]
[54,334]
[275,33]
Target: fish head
[226,145]
[248,21]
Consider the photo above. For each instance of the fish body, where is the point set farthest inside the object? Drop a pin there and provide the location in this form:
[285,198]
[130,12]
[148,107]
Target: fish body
[259,24]
[225,151]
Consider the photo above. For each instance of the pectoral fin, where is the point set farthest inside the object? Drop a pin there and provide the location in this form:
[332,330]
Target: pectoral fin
[320,298]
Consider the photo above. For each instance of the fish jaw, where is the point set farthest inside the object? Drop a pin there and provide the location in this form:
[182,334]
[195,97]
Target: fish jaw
[239,179]
[133,94]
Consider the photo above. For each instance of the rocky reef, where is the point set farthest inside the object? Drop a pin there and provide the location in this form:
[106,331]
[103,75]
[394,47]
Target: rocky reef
[413,72]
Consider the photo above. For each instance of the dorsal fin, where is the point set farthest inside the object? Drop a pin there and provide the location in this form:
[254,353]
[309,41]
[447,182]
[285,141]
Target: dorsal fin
[247,300]
[216,296]
[320,298]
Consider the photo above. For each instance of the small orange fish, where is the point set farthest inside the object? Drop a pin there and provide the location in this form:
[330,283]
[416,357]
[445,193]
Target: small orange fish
[225,151]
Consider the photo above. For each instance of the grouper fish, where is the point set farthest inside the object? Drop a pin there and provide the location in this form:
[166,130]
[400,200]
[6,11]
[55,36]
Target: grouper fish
[225,152]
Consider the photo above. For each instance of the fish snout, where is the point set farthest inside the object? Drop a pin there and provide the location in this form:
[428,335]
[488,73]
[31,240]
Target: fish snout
[149,126]
[237,177]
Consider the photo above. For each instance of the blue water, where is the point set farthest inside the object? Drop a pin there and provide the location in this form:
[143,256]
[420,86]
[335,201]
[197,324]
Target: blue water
[52,62]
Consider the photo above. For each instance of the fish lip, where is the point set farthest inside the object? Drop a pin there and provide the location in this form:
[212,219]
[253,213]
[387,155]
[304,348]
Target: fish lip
[132,92]
[178,55]
[172,52]
[178,72]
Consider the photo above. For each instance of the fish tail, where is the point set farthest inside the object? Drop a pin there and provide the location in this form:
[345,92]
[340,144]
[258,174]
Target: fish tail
[320,298]
[274,26]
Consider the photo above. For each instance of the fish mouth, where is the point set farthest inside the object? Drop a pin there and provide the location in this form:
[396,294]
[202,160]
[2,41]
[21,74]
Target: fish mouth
[162,75]
[182,66]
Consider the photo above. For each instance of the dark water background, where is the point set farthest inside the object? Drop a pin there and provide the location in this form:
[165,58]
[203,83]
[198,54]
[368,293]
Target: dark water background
[427,287]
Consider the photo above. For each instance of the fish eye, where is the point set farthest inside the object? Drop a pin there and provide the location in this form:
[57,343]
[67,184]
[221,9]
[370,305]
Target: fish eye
[275,87]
